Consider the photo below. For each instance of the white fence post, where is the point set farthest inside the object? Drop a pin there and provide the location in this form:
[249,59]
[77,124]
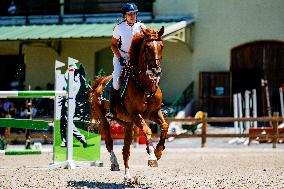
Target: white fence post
[240,112]
[254,104]
[235,101]
[247,110]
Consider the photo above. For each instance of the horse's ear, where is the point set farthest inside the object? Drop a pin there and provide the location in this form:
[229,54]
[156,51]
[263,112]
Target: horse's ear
[161,32]
[144,31]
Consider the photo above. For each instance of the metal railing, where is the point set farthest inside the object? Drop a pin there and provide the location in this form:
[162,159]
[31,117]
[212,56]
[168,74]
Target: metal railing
[57,7]
[53,12]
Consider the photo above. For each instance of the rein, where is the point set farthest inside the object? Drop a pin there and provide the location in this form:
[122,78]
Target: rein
[130,72]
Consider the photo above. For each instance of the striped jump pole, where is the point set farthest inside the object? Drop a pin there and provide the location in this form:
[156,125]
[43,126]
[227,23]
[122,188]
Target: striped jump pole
[24,152]
[31,94]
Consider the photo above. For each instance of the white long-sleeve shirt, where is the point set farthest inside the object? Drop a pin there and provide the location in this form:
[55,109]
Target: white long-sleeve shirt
[125,33]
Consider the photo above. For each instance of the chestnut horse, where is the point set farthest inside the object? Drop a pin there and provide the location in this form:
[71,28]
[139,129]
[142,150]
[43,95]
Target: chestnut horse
[142,99]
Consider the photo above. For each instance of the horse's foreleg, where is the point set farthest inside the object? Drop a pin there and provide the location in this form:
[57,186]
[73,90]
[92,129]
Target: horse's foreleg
[126,151]
[159,119]
[140,122]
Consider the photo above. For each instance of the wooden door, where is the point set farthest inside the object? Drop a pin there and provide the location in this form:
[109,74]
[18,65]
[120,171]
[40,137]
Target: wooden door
[253,61]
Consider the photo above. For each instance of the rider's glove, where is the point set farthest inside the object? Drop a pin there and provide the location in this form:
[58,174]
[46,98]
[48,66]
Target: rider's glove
[122,61]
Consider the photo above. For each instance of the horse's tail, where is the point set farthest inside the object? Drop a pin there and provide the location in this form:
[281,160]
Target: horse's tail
[92,95]
[97,82]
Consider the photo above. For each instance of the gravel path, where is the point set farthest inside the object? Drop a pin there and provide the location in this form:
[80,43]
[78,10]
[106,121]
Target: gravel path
[216,166]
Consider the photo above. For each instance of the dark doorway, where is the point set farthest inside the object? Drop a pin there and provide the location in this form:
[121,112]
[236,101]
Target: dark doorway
[253,61]
[104,61]
[12,71]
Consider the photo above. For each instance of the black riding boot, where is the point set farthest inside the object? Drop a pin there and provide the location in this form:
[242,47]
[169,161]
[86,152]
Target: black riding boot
[113,102]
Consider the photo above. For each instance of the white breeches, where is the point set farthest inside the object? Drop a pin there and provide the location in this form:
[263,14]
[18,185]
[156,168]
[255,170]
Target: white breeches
[117,69]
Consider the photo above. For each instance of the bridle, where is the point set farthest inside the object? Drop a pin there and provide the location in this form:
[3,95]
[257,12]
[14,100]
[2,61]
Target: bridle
[152,72]
[146,58]
[155,71]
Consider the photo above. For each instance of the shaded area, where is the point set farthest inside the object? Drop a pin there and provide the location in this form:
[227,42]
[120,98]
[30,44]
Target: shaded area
[103,185]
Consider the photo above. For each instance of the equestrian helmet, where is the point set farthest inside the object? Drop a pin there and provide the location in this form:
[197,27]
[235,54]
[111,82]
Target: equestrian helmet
[129,8]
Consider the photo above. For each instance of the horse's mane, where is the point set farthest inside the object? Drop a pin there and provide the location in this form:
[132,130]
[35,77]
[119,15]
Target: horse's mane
[135,47]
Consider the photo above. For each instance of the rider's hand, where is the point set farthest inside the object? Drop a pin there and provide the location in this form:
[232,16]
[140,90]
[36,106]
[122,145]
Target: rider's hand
[122,61]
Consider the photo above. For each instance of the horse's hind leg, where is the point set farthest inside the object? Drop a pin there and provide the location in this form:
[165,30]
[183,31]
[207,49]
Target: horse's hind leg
[98,113]
[140,122]
[159,119]
[126,150]
[109,143]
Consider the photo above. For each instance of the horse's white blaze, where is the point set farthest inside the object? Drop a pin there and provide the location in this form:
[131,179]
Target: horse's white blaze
[156,50]
[154,76]
[158,79]
[152,153]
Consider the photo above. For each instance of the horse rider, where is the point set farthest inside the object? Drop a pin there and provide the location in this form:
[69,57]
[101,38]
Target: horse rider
[121,40]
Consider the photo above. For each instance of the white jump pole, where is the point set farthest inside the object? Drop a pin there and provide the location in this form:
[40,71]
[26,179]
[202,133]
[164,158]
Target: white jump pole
[71,68]
[57,72]
[240,112]
[254,106]
[236,113]
[235,101]
[247,110]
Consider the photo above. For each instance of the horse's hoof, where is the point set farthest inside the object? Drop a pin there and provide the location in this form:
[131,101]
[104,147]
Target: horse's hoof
[152,163]
[128,180]
[132,181]
[137,181]
[114,167]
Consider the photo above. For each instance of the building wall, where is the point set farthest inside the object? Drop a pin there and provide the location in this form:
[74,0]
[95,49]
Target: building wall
[176,73]
[85,51]
[223,24]
[39,63]
[9,48]
[175,7]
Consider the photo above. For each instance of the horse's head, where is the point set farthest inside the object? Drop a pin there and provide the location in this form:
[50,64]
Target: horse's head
[151,52]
